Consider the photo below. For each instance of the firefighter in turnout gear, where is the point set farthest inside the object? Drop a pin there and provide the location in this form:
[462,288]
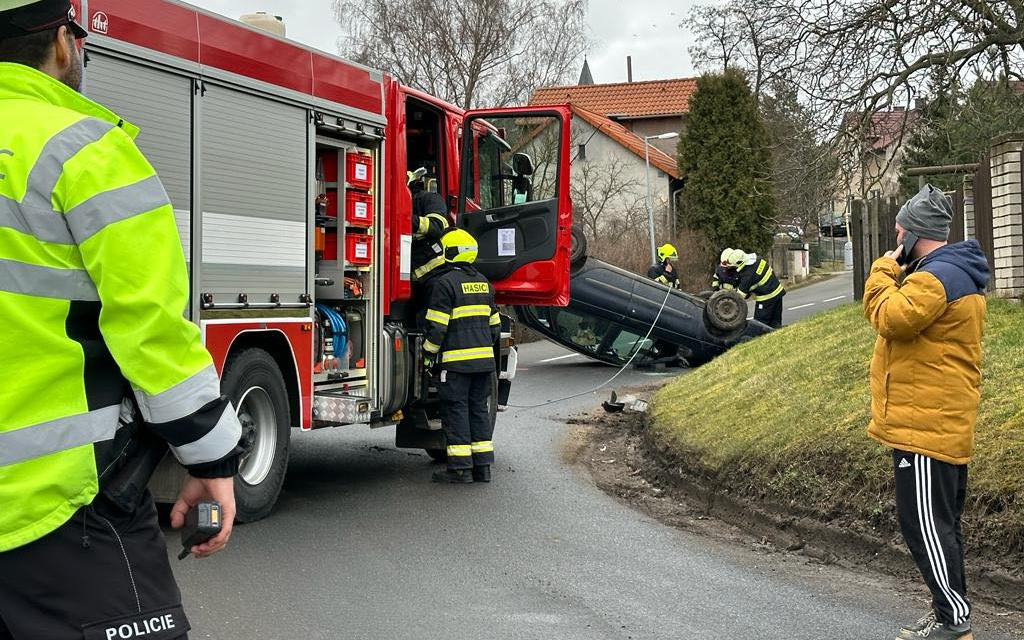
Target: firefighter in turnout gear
[757,279]
[429,222]
[462,327]
[665,271]
[93,282]
[726,276]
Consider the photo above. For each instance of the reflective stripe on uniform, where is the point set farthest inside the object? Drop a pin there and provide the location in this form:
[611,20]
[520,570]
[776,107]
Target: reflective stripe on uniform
[52,436]
[471,311]
[214,445]
[769,296]
[495,320]
[46,282]
[439,317]
[440,218]
[767,276]
[424,227]
[41,223]
[65,144]
[459,450]
[483,446]
[105,208]
[459,355]
[430,347]
[428,267]
[181,400]
[760,266]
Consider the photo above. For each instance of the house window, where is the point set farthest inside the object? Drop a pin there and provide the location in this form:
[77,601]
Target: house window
[583,152]
[662,174]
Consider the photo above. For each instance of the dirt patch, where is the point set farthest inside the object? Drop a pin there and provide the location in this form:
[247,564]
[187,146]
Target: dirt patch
[625,463]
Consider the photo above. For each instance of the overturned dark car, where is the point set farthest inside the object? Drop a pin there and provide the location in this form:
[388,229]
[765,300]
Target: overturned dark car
[611,310]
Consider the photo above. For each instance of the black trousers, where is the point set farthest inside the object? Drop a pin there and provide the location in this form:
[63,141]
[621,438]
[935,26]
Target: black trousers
[467,420]
[769,311]
[929,502]
[102,575]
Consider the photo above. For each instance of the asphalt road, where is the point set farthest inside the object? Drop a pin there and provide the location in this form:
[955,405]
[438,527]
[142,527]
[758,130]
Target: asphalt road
[363,546]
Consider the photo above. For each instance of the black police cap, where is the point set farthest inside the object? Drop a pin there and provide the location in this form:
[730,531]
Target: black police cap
[33,17]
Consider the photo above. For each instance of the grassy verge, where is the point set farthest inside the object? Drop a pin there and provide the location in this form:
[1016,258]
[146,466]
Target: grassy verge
[782,419]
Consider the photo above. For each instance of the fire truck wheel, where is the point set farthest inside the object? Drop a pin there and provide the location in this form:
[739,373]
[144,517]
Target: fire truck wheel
[253,382]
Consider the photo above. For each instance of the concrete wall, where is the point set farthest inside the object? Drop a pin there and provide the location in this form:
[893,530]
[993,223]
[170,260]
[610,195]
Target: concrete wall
[1007,215]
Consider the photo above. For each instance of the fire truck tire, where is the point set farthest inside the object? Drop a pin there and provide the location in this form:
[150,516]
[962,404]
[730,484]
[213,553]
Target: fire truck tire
[253,382]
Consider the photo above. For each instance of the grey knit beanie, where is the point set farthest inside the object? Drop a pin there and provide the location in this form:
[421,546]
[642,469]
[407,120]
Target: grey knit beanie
[927,215]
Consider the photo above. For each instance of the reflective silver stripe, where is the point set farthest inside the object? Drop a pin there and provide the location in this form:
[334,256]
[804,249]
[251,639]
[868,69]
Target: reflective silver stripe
[214,445]
[181,400]
[428,267]
[58,435]
[430,347]
[108,207]
[41,223]
[46,282]
[63,146]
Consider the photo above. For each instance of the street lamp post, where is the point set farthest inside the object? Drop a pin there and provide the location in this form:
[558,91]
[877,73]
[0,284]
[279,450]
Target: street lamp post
[647,176]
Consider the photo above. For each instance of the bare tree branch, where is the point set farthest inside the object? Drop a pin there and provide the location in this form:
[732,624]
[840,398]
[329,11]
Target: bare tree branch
[469,52]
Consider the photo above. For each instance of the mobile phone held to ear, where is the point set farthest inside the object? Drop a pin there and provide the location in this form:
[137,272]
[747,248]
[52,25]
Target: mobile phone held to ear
[909,240]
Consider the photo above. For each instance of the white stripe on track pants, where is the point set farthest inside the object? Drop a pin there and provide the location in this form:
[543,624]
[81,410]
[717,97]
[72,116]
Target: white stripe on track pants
[929,502]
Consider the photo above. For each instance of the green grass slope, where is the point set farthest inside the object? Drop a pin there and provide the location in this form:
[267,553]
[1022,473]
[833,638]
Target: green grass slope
[784,419]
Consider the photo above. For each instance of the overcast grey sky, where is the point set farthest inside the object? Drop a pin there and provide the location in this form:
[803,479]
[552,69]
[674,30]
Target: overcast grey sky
[648,30]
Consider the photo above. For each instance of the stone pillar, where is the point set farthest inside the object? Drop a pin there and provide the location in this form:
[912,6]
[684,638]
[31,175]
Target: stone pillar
[969,227]
[1007,215]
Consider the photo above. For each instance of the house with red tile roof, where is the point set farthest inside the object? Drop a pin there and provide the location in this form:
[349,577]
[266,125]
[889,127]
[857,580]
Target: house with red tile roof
[874,156]
[643,108]
[610,122]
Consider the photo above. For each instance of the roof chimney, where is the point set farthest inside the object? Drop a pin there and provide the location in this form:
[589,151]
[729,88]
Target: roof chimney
[629,68]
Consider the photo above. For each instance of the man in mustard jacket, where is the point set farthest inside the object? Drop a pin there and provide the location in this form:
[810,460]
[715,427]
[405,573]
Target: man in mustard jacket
[926,300]
[92,343]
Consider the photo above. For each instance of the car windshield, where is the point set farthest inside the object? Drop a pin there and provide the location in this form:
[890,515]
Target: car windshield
[595,336]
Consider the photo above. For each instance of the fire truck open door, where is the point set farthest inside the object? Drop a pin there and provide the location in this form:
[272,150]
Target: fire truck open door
[514,199]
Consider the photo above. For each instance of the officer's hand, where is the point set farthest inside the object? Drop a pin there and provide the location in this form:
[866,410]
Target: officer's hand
[196,490]
[429,363]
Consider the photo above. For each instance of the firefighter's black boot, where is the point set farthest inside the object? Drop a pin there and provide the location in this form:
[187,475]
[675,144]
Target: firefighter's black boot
[482,473]
[454,476]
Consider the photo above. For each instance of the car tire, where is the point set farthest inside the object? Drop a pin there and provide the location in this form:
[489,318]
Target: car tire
[253,382]
[725,311]
[578,247]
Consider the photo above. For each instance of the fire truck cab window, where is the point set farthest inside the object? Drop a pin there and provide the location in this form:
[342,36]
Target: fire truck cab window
[423,143]
[516,161]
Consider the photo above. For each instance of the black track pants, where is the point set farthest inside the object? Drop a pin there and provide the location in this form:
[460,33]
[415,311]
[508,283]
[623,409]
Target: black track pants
[120,587]
[467,420]
[929,501]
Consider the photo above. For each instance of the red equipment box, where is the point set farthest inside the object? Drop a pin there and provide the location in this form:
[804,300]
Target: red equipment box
[358,249]
[359,171]
[358,209]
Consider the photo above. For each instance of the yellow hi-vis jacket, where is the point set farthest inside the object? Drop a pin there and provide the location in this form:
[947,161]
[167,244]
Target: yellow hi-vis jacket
[92,287]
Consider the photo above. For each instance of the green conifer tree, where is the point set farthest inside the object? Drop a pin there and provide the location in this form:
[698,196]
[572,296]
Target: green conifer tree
[725,155]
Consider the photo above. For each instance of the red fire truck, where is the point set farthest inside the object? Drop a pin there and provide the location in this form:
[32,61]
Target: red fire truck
[286,168]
